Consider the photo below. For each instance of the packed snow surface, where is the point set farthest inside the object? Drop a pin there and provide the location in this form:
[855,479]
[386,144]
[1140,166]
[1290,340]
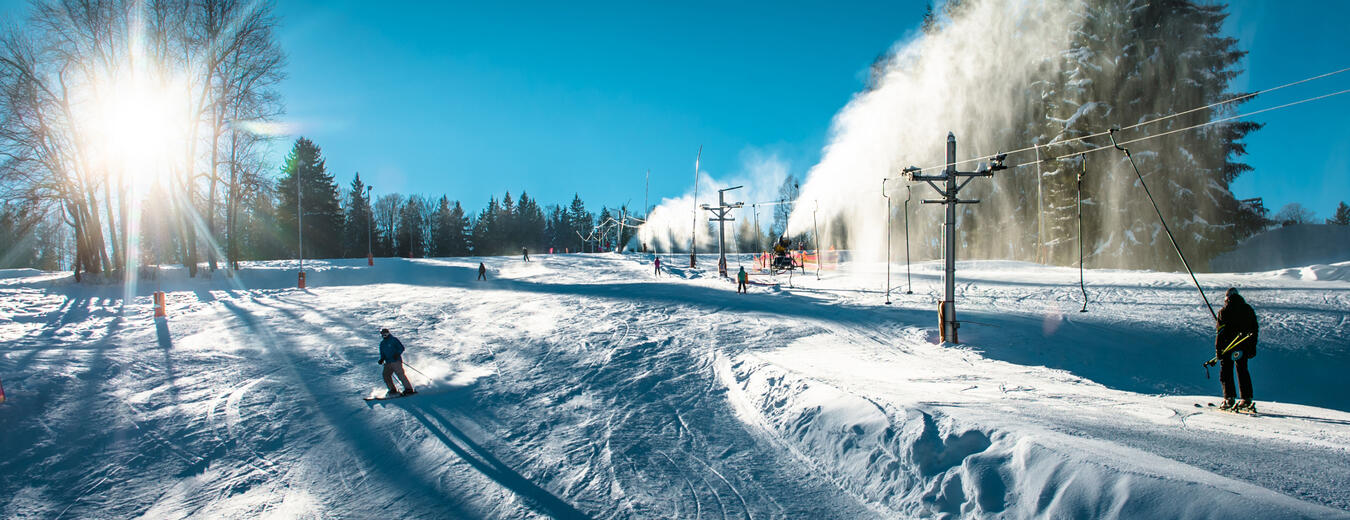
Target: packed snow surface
[583,386]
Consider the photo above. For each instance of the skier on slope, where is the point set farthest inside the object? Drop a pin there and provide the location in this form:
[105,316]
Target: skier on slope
[525,251]
[742,279]
[482,271]
[391,356]
[658,266]
[1234,345]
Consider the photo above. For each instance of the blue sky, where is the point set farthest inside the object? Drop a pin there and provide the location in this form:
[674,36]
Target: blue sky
[473,99]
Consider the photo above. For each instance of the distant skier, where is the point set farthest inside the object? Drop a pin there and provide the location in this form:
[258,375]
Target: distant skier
[658,266]
[391,356]
[742,281]
[1234,345]
[525,251]
[482,271]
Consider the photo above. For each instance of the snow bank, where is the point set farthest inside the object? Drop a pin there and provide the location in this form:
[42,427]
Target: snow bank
[1288,246]
[921,463]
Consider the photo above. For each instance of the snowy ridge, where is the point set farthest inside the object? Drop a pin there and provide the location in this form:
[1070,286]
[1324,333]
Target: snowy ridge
[923,463]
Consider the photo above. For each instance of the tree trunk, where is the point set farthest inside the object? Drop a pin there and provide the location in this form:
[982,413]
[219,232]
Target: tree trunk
[112,225]
[211,198]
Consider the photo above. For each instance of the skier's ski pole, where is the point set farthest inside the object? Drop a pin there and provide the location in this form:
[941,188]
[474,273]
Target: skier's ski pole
[1231,345]
[405,363]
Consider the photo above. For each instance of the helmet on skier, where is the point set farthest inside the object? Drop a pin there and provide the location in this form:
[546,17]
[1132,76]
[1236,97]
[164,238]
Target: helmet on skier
[384,332]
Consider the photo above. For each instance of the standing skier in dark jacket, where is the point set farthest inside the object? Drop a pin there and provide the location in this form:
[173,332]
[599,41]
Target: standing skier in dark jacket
[1234,345]
[391,356]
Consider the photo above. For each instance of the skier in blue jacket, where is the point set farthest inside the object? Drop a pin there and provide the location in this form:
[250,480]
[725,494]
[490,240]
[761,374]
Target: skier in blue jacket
[391,356]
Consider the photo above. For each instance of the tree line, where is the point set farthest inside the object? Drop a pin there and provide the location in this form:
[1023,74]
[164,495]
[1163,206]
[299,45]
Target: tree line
[351,222]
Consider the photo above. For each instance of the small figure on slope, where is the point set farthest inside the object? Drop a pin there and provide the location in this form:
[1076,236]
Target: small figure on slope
[1233,346]
[482,271]
[391,356]
[742,281]
[525,251]
[658,266]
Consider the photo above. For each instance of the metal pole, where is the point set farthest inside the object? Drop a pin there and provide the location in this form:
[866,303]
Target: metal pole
[693,230]
[721,233]
[815,225]
[299,221]
[754,209]
[370,213]
[1040,209]
[1081,285]
[909,283]
[888,240]
[949,245]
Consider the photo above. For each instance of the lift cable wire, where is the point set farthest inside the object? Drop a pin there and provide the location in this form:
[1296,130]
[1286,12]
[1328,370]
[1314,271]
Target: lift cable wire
[1171,116]
[1146,137]
[1119,146]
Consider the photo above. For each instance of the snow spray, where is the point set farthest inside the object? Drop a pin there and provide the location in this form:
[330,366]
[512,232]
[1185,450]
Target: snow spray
[668,227]
[971,75]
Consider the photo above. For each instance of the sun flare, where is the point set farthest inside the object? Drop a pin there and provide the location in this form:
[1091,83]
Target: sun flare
[138,126]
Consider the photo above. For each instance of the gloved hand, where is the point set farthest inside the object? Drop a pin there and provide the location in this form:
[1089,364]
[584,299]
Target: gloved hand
[380,362]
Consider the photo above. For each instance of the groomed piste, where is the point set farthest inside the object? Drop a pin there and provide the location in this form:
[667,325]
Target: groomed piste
[581,386]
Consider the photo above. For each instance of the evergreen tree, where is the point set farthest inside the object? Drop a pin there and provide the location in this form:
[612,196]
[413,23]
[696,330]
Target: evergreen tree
[1128,62]
[530,223]
[580,221]
[508,232]
[557,229]
[459,232]
[322,215]
[486,230]
[410,240]
[358,233]
[1342,217]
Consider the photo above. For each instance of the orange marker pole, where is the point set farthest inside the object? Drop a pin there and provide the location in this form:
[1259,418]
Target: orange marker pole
[302,280]
[159,304]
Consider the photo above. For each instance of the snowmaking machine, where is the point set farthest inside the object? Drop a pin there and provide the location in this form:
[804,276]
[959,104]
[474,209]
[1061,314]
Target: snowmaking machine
[782,260]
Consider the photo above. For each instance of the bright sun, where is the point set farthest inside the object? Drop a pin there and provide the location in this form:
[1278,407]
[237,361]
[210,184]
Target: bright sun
[138,127]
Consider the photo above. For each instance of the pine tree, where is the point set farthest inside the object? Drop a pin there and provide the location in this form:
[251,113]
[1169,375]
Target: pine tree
[322,215]
[581,223]
[1342,217]
[411,238]
[487,231]
[358,233]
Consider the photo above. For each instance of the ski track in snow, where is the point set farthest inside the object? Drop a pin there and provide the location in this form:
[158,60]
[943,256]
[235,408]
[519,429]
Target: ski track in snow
[577,386]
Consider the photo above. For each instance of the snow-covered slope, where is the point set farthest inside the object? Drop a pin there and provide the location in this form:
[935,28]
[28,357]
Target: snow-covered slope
[582,386]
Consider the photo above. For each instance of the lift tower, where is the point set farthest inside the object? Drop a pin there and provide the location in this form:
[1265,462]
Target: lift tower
[947,308]
[720,217]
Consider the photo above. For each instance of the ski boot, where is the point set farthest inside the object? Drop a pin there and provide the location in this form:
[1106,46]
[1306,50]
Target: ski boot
[409,392]
[1246,406]
[1228,404]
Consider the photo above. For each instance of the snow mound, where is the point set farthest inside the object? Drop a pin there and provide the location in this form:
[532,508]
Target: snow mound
[1285,247]
[921,463]
[1334,272]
